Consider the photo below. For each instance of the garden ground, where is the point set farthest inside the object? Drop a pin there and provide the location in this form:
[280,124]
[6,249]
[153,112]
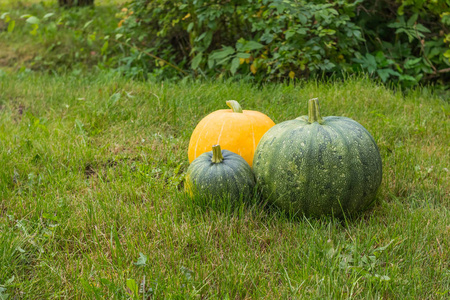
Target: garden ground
[92,203]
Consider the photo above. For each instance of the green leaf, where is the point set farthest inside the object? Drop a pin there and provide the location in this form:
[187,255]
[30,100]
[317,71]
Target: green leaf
[132,285]
[208,39]
[289,33]
[328,31]
[34,30]
[407,77]
[371,62]
[422,28]
[411,33]
[234,65]
[243,55]
[222,53]
[196,61]
[447,54]
[87,24]
[200,37]
[46,16]
[395,25]
[142,260]
[10,280]
[267,38]
[11,25]
[104,48]
[302,31]
[410,63]
[3,295]
[190,26]
[386,73]
[223,61]
[434,51]
[445,18]
[49,217]
[210,63]
[333,11]
[251,45]
[33,20]
[303,19]
[412,20]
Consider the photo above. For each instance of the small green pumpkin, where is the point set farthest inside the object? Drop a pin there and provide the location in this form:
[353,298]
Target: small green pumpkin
[318,166]
[220,173]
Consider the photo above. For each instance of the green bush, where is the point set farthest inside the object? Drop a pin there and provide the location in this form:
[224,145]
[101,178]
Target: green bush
[400,41]
[266,39]
[412,46]
[269,40]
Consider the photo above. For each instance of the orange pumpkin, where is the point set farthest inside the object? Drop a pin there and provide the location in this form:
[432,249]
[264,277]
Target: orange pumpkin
[236,130]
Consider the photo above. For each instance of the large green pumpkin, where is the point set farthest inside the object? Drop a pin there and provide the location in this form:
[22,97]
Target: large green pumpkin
[218,174]
[318,166]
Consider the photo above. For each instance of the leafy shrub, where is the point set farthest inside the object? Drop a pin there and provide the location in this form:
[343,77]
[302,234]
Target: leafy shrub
[412,46]
[277,39]
[265,40]
[269,39]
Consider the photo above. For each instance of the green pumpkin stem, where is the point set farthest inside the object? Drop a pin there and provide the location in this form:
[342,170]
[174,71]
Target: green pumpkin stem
[234,105]
[314,111]
[217,156]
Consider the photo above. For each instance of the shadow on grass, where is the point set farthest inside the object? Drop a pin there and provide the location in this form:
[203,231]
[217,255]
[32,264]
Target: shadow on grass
[260,210]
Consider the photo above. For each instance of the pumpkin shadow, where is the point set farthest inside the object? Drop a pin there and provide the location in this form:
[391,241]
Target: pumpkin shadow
[261,208]
[241,207]
[342,217]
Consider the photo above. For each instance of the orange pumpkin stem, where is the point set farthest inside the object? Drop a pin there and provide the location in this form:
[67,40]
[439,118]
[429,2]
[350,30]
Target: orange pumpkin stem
[234,105]
[217,156]
[314,111]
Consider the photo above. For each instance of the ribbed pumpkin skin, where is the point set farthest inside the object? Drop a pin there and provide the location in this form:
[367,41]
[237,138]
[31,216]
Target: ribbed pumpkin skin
[318,169]
[232,177]
[236,132]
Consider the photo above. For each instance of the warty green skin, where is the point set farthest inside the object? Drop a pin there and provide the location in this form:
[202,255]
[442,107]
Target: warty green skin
[318,169]
[233,177]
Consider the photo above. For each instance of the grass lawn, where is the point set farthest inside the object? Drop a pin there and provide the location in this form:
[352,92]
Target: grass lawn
[92,203]
[91,182]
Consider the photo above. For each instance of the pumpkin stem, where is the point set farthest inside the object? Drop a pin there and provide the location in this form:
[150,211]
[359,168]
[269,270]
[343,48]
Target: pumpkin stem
[217,156]
[234,105]
[314,111]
